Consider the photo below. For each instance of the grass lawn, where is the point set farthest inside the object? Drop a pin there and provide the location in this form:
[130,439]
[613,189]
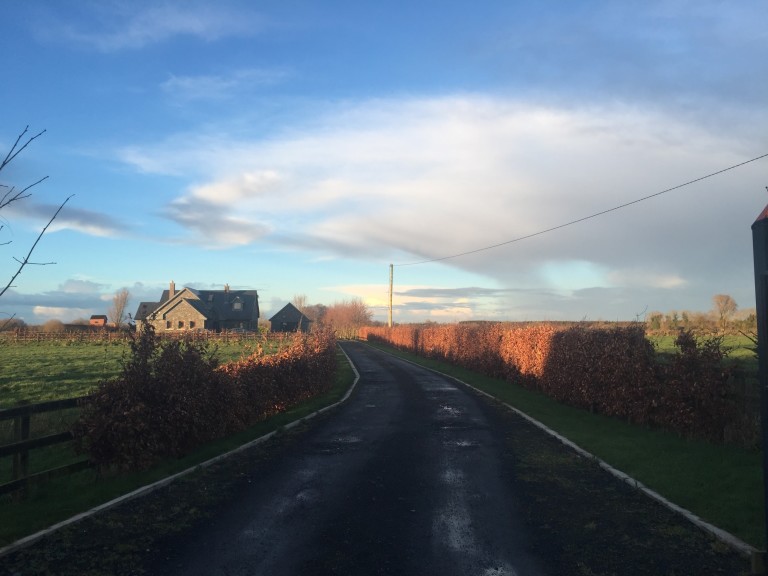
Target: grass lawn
[62,498]
[51,370]
[739,347]
[721,484]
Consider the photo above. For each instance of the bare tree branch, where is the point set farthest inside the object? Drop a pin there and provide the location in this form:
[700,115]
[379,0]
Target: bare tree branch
[25,261]
[12,196]
[13,152]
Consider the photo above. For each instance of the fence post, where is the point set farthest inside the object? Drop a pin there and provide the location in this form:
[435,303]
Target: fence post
[21,459]
[760,255]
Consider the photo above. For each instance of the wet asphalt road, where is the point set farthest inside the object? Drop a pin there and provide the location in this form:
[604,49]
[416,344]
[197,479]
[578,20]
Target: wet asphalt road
[405,478]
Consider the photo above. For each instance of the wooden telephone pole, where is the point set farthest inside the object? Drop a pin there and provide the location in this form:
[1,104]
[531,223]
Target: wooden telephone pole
[389,322]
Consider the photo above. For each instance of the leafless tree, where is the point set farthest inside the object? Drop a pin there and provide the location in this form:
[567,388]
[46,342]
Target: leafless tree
[300,301]
[316,313]
[725,308]
[348,316]
[116,312]
[10,195]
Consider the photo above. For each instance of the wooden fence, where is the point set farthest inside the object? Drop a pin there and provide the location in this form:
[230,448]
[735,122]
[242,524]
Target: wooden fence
[104,336]
[22,444]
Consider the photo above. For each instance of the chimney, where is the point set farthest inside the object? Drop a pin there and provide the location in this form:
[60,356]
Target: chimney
[226,288]
[172,290]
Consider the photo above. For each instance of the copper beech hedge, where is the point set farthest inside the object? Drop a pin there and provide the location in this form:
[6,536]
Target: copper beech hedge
[173,396]
[609,370]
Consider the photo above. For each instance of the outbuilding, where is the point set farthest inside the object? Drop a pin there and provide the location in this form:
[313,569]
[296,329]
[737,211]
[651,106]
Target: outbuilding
[290,319]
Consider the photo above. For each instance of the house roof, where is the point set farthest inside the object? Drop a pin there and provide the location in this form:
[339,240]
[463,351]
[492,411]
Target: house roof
[222,305]
[98,316]
[145,309]
[289,313]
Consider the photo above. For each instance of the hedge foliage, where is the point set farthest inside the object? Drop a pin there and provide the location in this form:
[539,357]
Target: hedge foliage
[172,396]
[609,370]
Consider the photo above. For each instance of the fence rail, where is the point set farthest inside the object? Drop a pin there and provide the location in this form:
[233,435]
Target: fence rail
[22,444]
[30,337]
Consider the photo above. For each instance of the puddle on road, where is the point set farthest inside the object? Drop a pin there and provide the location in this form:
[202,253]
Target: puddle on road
[453,477]
[461,443]
[450,410]
[337,445]
[347,439]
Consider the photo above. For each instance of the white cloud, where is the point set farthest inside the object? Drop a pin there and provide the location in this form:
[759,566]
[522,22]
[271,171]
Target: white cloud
[43,313]
[244,186]
[70,217]
[427,178]
[649,278]
[219,87]
[118,26]
[75,286]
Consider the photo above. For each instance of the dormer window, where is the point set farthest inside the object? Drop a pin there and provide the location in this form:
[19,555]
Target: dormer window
[237,305]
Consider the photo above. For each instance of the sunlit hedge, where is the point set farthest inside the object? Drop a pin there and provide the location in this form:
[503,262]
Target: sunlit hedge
[173,396]
[608,370]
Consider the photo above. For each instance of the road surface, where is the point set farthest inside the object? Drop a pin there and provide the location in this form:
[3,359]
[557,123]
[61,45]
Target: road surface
[406,478]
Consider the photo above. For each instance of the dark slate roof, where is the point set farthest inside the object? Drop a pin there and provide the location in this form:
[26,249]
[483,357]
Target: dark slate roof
[289,313]
[145,309]
[213,304]
[220,304]
[98,317]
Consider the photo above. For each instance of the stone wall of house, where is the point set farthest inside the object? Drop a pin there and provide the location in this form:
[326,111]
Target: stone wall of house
[185,315]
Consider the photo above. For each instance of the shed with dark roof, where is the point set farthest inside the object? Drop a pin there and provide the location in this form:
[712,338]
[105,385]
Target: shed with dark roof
[290,319]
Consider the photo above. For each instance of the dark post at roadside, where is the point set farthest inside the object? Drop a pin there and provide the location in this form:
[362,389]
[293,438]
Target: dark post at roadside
[760,255]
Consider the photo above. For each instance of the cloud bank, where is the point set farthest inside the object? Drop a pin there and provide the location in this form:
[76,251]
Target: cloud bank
[423,179]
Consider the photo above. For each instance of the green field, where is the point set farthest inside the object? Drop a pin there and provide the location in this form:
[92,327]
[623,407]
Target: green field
[739,348]
[36,372]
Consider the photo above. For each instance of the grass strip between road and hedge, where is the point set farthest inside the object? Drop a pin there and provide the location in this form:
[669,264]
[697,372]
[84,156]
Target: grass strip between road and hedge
[63,498]
[721,484]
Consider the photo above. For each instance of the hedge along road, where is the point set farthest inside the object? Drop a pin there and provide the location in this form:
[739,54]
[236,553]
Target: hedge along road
[414,475]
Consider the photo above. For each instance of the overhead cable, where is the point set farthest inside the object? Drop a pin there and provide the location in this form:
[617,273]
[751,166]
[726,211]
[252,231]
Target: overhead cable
[572,222]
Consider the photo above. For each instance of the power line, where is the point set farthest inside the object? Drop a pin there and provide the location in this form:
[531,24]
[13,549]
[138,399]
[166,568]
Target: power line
[539,233]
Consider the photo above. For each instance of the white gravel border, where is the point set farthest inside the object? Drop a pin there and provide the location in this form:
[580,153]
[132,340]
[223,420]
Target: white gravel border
[149,488]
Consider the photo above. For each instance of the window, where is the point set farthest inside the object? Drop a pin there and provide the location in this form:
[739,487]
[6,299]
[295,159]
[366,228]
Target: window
[167,324]
[191,324]
[181,324]
[237,305]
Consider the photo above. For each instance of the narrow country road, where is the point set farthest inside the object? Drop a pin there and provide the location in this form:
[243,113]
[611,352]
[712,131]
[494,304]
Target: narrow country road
[406,478]
[414,475]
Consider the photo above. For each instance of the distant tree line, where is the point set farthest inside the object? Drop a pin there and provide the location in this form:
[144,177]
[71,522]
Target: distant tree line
[344,317]
[724,317]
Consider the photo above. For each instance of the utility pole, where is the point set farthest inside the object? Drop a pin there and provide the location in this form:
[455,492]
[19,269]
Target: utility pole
[760,255]
[391,268]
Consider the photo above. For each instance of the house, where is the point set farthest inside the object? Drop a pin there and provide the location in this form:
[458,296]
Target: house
[191,309]
[98,320]
[290,319]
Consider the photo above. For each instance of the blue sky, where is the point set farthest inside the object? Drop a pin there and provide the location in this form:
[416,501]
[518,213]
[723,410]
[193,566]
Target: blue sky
[301,147]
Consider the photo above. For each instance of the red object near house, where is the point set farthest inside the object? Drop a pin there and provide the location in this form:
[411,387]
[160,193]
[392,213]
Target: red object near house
[98,320]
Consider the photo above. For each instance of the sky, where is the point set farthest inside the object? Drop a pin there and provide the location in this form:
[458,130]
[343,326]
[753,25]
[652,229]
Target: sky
[300,148]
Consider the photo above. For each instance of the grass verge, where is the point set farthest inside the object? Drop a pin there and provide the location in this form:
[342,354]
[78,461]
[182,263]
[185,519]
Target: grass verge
[63,498]
[721,484]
